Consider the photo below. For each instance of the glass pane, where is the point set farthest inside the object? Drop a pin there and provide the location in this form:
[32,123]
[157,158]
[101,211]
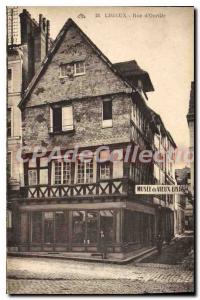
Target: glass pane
[107,110]
[58,172]
[92,226]
[106,224]
[66,172]
[105,170]
[36,227]
[80,173]
[89,172]
[61,227]
[48,227]
[32,177]
[78,226]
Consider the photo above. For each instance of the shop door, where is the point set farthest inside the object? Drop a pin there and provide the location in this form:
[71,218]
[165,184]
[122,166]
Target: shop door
[84,228]
[48,228]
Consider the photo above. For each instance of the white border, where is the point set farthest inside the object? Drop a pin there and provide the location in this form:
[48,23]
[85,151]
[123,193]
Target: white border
[3,107]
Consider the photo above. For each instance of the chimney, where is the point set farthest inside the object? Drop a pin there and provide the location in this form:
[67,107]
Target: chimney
[48,36]
[44,24]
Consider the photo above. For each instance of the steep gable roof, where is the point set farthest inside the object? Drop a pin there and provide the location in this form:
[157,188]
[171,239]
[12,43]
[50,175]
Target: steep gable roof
[53,50]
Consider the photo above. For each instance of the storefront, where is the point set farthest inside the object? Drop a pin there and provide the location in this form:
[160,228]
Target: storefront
[69,230]
[78,230]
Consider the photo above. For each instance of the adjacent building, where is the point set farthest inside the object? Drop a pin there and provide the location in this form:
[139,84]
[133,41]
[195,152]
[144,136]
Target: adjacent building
[79,101]
[28,43]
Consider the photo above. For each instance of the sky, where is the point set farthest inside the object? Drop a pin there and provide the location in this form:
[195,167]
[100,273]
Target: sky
[160,39]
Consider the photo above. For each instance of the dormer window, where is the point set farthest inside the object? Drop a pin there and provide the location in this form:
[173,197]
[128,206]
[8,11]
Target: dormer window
[72,69]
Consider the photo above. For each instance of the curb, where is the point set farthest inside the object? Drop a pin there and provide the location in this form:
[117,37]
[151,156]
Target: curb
[81,259]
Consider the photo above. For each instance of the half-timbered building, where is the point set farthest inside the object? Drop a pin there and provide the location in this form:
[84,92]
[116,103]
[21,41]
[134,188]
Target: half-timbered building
[79,110]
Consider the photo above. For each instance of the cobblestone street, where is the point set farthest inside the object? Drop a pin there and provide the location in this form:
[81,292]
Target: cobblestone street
[54,276]
[51,276]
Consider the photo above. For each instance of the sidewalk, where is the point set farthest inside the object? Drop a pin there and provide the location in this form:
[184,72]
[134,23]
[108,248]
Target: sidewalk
[88,257]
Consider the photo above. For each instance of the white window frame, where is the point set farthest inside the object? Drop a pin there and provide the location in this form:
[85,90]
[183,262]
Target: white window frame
[85,162]
[32,170]
[51,112]
[62,172]
[105,166]
[75,68]
[11,89]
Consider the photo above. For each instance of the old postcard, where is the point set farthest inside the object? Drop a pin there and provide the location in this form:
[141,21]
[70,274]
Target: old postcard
[100,150]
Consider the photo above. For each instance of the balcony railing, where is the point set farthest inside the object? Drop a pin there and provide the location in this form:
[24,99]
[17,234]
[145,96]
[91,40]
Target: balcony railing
[110,187]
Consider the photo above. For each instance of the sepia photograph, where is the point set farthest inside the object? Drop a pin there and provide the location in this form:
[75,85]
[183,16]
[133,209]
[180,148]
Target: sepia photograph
[100,150]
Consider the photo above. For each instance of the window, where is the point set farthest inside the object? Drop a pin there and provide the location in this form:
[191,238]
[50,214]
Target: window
[61,118]
[78,226]
[85,171]
[62,172]
[105,170]
[9,122]
[107,114]
[32,177]
[10,80]
[61,227]
[79,68]
[66,70]
[48,227]
[70,69]
[9,164]
[106,224]
[43,176]
[36,228]
[9,219]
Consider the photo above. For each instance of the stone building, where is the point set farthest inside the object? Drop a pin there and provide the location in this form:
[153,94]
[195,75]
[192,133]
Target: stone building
[22,62]
[191,124]
[79,101]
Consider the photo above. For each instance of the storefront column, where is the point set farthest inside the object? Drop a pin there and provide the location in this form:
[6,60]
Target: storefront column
[70,230]
[118,227]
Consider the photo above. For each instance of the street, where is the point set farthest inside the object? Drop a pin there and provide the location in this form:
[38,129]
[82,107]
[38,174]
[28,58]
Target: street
[54,276]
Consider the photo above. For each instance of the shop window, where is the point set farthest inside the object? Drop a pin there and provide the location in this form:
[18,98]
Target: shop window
[107,114]
[105,170]
[85,171]
[92,227]
[36,227]
[61,118]
[32,177]
[106,224]
[48,227]
[78,227]
[61,227]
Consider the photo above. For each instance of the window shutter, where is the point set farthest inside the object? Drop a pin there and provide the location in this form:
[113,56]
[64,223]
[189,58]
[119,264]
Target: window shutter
[67,118]
[51,120]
